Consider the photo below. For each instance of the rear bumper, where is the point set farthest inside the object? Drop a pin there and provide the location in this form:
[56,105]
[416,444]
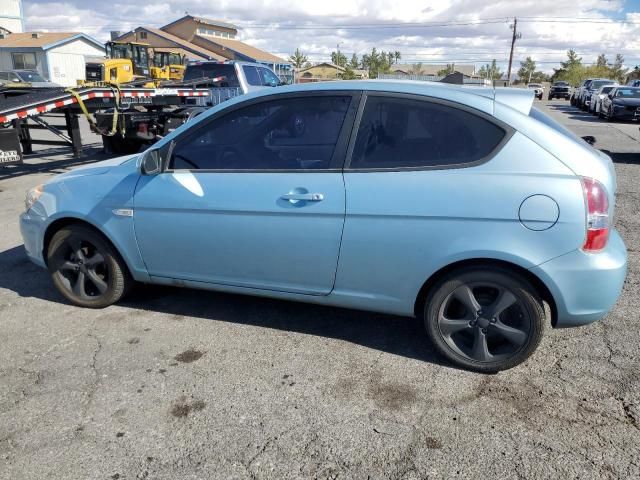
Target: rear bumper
[585,286]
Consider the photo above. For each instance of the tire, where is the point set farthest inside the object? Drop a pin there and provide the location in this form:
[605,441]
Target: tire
[610,115]
[572,101]
[600,114]
[86,269]
[503,339]
[550,97]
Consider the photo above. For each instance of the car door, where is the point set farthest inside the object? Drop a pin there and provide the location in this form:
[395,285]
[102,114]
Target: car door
[253,197]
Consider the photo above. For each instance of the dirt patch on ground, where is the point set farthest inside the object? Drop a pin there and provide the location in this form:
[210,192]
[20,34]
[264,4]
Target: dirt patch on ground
[182,408]
[189,356]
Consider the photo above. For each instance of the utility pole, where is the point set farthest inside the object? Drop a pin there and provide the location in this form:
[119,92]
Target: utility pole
[516,35]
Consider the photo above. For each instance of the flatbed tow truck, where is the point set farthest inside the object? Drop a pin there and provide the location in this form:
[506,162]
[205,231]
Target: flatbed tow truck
[125,116]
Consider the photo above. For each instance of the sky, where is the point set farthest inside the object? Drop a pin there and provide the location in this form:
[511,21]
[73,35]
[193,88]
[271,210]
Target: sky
[428,31]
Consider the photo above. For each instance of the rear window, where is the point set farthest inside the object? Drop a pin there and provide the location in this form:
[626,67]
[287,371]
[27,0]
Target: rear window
[213,70]
[599,83]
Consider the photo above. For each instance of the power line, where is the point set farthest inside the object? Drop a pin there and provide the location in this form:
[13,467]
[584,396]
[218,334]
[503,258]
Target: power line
[385,25]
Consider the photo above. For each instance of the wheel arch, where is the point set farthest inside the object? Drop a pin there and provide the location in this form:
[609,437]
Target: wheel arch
[62,222]
[536,282]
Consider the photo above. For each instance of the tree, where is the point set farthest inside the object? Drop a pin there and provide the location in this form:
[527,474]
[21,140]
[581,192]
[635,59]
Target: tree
[378,62]
[416,68]
[298,59]
[450,68]
[572,60]
[348,74]
[601,61]
[491,71]
[571,70]
[338,58]
[527,69]
[618,72]
[354,63]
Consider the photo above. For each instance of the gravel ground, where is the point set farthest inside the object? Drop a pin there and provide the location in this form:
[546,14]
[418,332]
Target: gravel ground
[176,383]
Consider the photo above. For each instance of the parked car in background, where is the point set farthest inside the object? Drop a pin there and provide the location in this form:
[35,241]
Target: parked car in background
[576,92]
[596,98]
[634,83]
[537,88]
[560,89]
[484,209]
[28,78]
[622,103]
[590,90]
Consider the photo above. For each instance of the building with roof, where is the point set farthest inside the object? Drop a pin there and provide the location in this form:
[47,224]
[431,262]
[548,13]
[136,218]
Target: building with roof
[11,16]
[431,69]
[326,71]
[58,56]
[206,39]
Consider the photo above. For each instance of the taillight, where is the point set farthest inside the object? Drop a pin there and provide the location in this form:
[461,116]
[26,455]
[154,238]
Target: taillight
[597,215]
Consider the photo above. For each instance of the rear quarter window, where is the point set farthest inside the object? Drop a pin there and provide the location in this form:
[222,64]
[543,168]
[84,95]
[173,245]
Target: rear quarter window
[414,133]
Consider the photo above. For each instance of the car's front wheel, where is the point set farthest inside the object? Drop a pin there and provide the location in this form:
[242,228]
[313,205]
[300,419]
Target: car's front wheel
[85,268]
[485,319]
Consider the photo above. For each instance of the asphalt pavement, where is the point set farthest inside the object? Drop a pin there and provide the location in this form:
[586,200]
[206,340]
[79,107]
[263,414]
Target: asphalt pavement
[175,383]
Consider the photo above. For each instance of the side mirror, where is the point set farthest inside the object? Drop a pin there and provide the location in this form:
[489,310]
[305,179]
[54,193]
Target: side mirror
[15,79]
[150,164]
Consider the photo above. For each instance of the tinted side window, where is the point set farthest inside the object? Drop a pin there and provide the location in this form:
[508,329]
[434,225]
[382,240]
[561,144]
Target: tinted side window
[292,133]
[397,133]
[252,75]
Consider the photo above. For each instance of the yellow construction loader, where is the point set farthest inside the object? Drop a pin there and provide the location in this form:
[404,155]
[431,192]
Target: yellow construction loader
[125,62]
[167,65]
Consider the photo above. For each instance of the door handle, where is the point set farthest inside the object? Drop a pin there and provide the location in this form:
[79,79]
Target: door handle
[307,197]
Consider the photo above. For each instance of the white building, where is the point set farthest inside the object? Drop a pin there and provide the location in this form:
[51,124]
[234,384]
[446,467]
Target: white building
[57,56]
[11,16]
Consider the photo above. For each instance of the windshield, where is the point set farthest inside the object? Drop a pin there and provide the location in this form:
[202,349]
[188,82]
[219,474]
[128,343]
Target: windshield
[213,70]
[534,85]
[607,89]
[561,84]
[30,77]
[628,92]
[596,84]
[118,50]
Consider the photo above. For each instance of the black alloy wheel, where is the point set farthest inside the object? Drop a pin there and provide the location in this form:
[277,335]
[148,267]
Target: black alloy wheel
[485,319]
[85,268]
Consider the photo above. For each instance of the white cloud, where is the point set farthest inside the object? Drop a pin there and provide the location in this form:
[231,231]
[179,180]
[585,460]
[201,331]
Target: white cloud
[267,24]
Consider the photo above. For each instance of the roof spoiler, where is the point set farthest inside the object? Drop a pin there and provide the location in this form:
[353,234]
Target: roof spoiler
[520,99]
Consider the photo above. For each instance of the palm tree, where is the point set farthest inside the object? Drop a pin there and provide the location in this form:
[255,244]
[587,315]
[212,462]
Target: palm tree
[396,56]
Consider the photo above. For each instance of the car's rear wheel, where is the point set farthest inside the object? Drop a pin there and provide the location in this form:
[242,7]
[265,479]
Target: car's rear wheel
[485,319]
[85,268]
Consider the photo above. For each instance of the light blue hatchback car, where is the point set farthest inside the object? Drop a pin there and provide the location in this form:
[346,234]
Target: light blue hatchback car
[464,206]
